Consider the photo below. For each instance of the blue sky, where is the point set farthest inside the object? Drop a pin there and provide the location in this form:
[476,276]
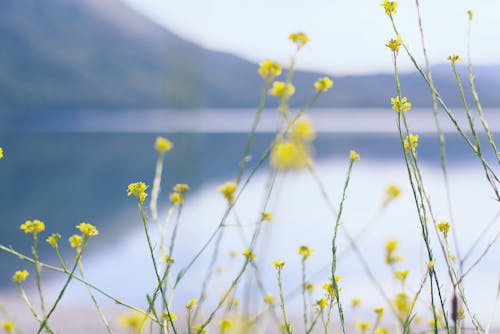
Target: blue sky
[346,36]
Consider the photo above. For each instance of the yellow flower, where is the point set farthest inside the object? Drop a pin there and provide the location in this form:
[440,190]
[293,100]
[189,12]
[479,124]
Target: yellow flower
[431,264]
[390,7]
[20,276]
[390,248]
[309,287]
[444,227]
[454,58]
[197,329]
[402,303]
[176,198]
[269,299]
[133,321]
[75,241]
[192,303]
[278,264]
[88,230]
[305,252]
[137,189]
[1,153]
[288,154]
[355,302]
[323,84]
[382,330]
[302,130]
[321,303]
[470,14]
[169,316]
[353,156]
[227,190]
[391,245]
[282,89]
[380,312]
[393,191]
[168,259]
[249,254]
[9,326]
[266,217]
[363,326]
[394,43]
[181,188]
[299,38]
[401,275]
[34,227]
[225,324]
[269,69]
[53,239]
[400,104]
[410,142]
[163,145]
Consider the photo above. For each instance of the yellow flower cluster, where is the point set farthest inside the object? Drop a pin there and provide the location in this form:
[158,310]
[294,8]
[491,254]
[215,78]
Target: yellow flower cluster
[1,153]
[282,89]
[400,104]
[355,302]
[380,312]
[299,38]
[163,145]
[470,14]
[363,326]
[87,229]
[390,249]
[278,264]
[321,303]
[138,189]
[402,303]
[393,191]
[293,152]
[410,143]
[133,321]
[269,69]
[305,252]
[20,276]
[34,227]
[249,254]
[269,299]
[191,304]
[225,324]
[353,155]
[444,227]
[9,326]
[266,217]
[454,58]
[177,197]
[169,316]
[227,190]
[323,84]
[53,239]
[401,275]
[302,130]
[390,7]
[394,44]
[75,240]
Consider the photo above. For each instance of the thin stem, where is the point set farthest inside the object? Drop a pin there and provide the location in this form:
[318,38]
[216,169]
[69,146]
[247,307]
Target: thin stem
[94,300]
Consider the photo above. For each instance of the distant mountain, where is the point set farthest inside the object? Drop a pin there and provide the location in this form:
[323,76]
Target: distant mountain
[77,54]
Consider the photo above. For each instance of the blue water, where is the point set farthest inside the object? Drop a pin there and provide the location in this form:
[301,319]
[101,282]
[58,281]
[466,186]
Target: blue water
[70,171]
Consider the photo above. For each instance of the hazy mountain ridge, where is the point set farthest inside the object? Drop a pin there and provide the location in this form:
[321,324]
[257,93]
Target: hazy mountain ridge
[78,54]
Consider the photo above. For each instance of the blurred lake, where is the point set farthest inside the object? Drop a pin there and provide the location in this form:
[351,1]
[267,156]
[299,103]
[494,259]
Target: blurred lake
[68,167]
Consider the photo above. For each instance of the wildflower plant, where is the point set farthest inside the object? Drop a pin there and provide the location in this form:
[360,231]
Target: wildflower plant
[323,310]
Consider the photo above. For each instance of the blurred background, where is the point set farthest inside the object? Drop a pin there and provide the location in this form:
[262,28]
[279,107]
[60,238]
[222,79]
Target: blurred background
[87,85]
